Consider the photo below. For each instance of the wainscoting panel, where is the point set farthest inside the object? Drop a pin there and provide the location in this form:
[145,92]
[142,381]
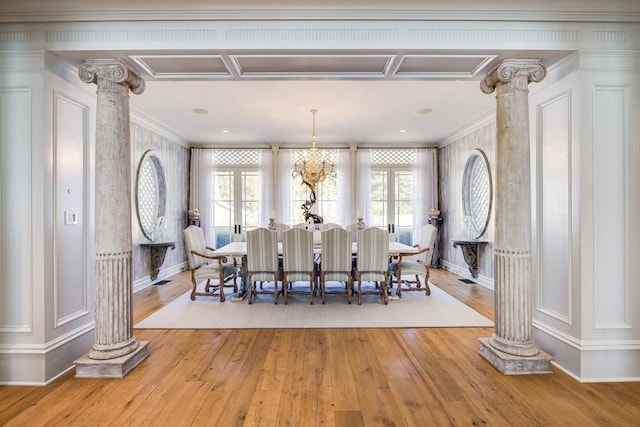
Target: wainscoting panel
[554,199]
[16,279]
[71,130]
[611,157]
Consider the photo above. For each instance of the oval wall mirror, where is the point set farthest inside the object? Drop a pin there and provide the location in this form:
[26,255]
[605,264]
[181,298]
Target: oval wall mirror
[476,194]
[151,195]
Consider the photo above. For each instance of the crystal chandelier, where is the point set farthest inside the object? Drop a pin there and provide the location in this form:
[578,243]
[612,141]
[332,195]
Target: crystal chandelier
[312,169]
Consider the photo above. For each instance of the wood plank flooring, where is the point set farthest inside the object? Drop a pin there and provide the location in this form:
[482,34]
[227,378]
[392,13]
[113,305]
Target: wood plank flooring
[312,377]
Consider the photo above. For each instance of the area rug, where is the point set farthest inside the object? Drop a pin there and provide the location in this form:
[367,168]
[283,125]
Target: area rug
[413,310]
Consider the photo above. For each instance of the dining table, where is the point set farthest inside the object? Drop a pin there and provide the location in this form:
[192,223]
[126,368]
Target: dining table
[239,250]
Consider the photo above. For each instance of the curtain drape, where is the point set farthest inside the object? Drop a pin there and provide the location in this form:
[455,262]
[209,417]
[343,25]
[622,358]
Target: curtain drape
[363,184]
[201,188]
[426,184]
[265,186]
[285,186]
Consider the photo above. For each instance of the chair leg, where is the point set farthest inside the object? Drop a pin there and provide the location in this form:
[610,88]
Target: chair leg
[359,288]
[385,294]
[322,278]
[311,288]
[349,288]
[399,280]
[426,283]
[275,288]
[285,288]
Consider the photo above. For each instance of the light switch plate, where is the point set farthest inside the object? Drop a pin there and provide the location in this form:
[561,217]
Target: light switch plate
[70,218]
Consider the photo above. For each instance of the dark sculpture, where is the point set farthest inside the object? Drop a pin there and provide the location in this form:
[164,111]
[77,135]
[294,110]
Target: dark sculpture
[306,206]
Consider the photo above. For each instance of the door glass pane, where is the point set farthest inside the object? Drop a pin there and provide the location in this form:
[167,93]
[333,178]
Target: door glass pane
[379,196]
[250,203]
[403,204]
[223,210]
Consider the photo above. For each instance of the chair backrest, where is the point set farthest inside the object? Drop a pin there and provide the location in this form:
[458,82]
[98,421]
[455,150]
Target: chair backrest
[262,250]
[297,250]
[427,240]
[373,250]
[194,241]
[336,250]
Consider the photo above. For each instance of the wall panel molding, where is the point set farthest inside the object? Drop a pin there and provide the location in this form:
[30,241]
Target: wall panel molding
[16,302]
[554,207]
[611,155]
[70,141]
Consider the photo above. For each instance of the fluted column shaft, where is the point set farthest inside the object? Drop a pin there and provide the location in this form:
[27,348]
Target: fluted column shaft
[512,256]
[113,266]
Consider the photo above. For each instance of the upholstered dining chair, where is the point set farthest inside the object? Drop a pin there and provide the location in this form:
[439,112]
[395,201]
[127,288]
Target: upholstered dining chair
[415,264]
[336,262]
[297,262]
[205,265]
[262,262]
[372,264]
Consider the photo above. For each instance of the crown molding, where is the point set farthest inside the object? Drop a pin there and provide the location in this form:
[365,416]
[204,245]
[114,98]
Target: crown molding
[321,15]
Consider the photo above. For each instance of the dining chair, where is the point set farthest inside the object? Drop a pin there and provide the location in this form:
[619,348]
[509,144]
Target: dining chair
[262,262]
[205,265]
[336,264]
[297,262]
[372,264]
[415,264]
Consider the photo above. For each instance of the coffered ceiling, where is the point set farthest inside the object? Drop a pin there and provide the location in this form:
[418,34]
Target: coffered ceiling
[375,97]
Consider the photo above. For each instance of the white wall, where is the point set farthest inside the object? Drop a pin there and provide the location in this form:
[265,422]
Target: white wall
[586,165]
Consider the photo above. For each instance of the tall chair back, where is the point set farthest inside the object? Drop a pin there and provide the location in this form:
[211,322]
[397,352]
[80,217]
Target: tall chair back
[373,260]
[297,260]
[262,260]
[336,260]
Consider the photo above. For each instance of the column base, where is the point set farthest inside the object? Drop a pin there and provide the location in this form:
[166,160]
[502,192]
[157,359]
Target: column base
[509,364]
[111,368]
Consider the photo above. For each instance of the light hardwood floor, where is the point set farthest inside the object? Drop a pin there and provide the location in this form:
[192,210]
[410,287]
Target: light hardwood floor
[312,377]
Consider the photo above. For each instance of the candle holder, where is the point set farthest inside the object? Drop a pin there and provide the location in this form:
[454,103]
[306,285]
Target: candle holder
[272,224]
[360,224]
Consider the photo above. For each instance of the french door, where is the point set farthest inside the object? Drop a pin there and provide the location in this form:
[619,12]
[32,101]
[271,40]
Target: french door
[392,193]
[236,204]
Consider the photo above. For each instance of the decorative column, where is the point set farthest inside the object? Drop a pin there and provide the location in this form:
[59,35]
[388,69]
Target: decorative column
[116,350]
[511,349]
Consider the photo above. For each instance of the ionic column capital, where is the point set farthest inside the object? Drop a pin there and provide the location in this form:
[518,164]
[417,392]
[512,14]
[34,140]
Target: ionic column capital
[528,70]
[110,75]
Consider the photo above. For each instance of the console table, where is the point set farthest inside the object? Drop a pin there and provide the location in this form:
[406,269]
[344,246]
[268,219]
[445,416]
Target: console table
[158,252]
[470,252]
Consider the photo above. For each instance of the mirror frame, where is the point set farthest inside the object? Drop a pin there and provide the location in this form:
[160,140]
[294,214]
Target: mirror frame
[151,157]
[478,224]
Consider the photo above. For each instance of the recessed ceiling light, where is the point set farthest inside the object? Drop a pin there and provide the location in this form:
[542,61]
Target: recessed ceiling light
[200,111]
[403,130]
[225,130]
[424,110]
